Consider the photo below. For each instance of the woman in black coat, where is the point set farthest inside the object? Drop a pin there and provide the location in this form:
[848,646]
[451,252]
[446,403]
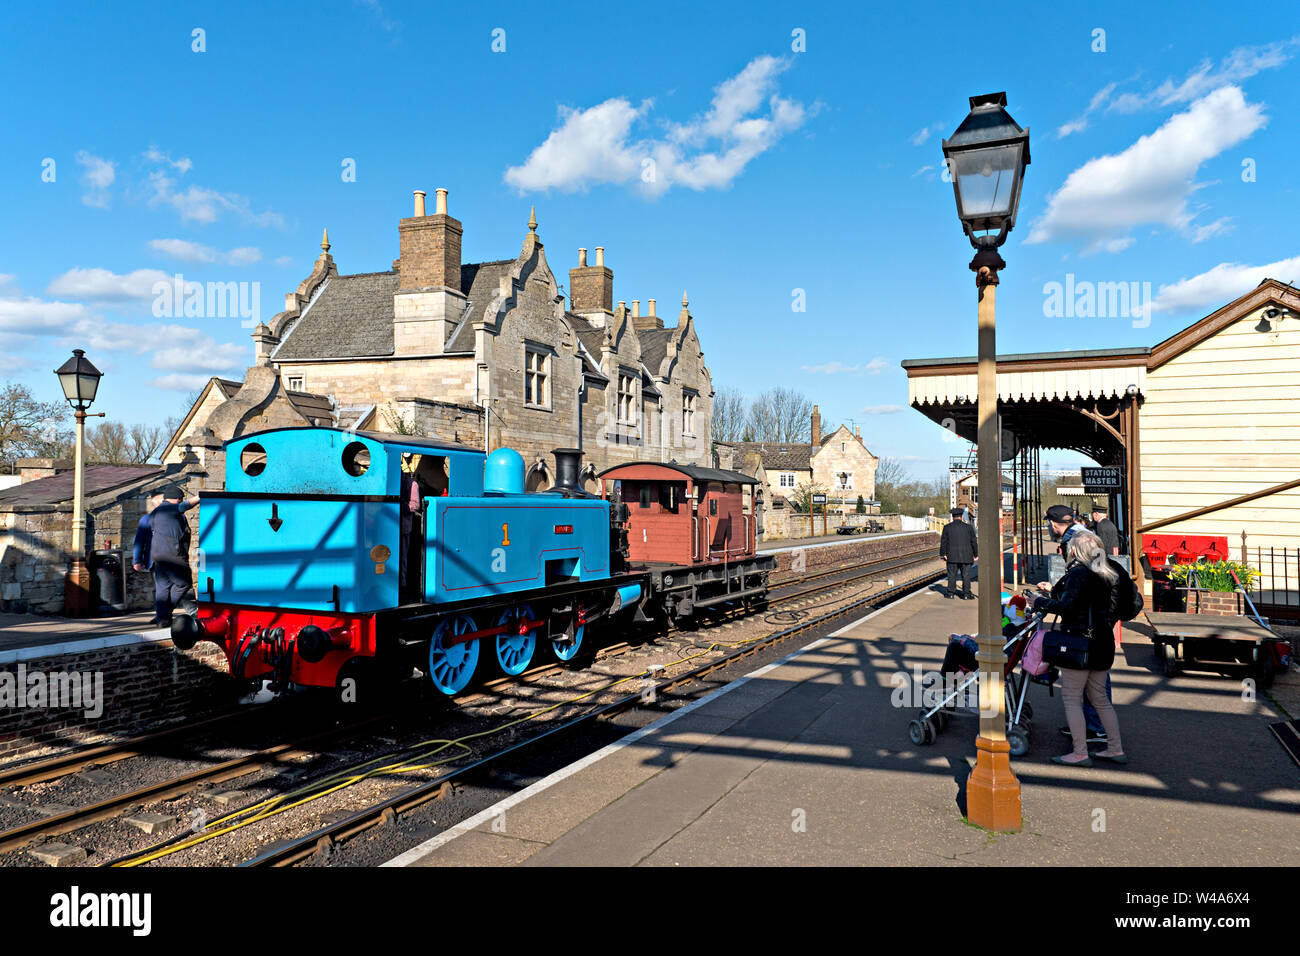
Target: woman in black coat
[1085,599]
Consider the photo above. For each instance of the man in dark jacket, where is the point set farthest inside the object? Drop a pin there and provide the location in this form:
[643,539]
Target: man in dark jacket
[1105,529]
[957,546]
[170,551]
[140,559]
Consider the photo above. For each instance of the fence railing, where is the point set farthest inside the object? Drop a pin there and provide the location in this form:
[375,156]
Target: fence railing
[1278,584]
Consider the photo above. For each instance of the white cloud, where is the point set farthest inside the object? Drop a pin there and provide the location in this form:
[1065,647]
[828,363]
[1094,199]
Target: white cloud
[923,134]
[878,365]
[283,261]
[923,170]
[31,316]
[883,409]
[596,145]
[101,285]
[177,382]
[1151,181]
[1241,64]
[158,157]
[186,251]
[197,203]
[1080,123]
[97,177]
[1222,284]
[831,368]
[190,350]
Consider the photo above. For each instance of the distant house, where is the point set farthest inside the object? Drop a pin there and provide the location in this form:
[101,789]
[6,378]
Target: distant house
[838,464]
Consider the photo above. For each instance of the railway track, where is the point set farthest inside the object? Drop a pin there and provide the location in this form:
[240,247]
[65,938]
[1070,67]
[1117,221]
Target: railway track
[678,642]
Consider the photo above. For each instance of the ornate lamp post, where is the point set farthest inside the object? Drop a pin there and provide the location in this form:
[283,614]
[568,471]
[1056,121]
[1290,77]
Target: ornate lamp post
[986,158]
[80,381]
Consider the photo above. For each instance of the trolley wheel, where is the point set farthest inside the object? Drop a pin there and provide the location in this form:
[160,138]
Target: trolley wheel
[941,721]
[1171,660]
[916,731]
[931,733]
[1018,739]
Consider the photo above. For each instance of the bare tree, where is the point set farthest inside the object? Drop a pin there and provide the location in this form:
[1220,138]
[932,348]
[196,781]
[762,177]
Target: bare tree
[728,422]
[113,443]
[780,415]
[28,426]
[147,441]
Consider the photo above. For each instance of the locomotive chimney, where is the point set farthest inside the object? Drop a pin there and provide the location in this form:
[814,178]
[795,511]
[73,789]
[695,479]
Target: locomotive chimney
[568,462]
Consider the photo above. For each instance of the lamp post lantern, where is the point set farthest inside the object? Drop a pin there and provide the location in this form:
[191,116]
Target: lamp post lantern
[80,381]
[986,158]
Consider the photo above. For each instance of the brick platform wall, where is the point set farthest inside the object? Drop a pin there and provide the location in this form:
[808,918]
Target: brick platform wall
[144,686]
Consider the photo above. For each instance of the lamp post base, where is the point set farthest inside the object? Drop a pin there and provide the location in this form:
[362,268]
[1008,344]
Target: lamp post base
[76,589]
[992,790]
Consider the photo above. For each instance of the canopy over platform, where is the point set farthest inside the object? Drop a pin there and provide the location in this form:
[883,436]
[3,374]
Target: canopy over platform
[1046,399]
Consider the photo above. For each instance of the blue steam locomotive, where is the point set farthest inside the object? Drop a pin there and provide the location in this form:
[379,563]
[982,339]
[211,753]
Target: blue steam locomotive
[332,550]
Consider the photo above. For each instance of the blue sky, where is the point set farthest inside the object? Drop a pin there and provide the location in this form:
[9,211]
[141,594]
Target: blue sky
[1159,156]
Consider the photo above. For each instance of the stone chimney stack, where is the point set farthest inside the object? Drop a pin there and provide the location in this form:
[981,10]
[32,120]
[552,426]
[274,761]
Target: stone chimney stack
[591,289]
[428,296]
[816,427]
[648,321]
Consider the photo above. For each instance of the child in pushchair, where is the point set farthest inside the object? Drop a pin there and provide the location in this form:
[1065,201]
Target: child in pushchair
[959,679]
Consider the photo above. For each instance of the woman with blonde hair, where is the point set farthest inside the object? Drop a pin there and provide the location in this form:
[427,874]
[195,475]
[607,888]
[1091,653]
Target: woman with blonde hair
[1085,599]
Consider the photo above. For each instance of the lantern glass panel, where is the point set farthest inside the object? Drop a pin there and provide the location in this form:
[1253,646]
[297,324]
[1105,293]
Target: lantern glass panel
[986,184]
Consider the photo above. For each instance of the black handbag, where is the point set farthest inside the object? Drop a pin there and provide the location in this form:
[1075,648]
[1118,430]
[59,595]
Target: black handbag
[1066,650]
[1069,650]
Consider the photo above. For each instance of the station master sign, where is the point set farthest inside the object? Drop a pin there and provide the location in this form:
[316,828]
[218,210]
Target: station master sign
[1100,481]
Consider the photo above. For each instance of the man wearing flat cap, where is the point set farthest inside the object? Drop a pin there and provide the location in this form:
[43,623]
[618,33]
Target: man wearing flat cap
[1061,518]
[958,547]
[1105,528]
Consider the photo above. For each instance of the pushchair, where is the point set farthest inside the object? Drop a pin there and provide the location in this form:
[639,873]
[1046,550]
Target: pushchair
[959,676]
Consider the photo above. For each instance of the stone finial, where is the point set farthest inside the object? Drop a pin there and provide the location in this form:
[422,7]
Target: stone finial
[685,301]
[419,202]
[532,222]
[440,202]
[325,241]
[600,255]
[582,257]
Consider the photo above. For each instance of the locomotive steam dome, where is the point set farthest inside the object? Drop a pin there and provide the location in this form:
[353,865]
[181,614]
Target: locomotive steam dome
[503,472]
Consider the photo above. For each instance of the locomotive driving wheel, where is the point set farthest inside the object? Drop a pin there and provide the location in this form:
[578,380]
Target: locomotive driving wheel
[567,642]
[515,645]
[452,663]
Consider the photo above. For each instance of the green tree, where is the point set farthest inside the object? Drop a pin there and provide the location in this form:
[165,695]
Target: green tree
[862,506]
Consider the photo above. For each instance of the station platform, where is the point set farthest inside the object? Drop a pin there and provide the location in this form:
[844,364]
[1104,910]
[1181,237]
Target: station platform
[25,636]
[807,762]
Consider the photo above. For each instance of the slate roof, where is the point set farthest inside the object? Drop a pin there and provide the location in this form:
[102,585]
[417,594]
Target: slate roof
[352,316]
[654,346]
[57,489]
[779,456]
